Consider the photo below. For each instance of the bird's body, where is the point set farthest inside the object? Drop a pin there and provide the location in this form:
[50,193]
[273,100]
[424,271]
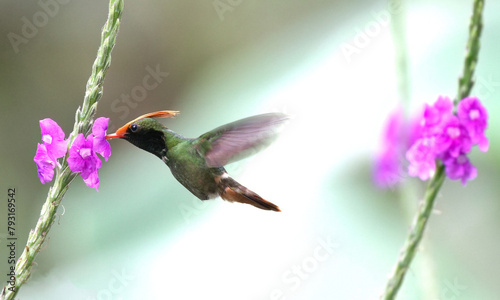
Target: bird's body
[198,164]
[190,169]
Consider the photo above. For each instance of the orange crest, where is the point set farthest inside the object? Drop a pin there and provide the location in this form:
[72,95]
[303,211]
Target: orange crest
[120,133]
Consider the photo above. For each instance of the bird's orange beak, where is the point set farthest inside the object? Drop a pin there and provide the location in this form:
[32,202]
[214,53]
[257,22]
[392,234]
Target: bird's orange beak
[120,133]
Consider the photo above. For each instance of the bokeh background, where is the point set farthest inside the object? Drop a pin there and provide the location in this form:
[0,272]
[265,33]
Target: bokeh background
[329,64]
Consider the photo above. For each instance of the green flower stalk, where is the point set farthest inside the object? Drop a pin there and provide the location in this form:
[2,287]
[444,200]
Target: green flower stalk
[417,231]
[465,82]
[64,176]
[426,206]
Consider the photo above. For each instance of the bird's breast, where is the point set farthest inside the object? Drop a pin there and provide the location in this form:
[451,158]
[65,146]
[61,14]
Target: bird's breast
[190,169]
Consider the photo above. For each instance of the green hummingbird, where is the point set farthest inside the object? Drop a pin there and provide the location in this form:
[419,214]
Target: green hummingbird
[198,163]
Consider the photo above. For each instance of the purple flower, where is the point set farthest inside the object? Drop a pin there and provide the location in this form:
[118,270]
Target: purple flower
[54,146]
[44,164]
[387,168]
[475,118]
[434,115]
[53,139]
[82,154]
[415,129]
[82,158]
[422,158]
[388,171]
[446,137]
[101,145]
[453,138]
[459,168]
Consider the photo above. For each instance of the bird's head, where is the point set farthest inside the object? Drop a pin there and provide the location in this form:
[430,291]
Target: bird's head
[145,132]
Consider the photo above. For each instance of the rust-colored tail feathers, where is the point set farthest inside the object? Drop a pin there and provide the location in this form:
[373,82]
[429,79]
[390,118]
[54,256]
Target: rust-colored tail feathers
[232,191]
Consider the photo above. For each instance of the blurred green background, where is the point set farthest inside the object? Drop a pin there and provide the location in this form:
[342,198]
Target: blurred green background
[329,64]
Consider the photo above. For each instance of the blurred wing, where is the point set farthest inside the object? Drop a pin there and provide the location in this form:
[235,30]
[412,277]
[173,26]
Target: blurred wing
[237,140]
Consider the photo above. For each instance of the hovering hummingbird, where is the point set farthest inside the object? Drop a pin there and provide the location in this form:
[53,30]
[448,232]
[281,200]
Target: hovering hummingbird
[198,163]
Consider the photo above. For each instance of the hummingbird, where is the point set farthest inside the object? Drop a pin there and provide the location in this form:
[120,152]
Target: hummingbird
[198,163]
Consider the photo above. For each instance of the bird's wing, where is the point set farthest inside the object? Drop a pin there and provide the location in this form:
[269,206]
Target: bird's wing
[237,140]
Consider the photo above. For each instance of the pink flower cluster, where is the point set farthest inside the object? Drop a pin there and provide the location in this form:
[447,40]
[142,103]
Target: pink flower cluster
[436,134]
[448,137]
[82,156]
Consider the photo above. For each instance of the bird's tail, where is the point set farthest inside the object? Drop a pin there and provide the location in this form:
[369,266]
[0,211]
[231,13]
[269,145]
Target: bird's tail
[232,191]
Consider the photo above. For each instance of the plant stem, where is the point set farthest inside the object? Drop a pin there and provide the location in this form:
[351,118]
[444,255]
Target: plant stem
[64,176]
[398,29]
[466,83]
[406,193]
[416,233]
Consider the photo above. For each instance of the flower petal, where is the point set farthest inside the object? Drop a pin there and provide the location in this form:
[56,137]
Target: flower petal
[100,126]
[50,127]
[422,158]
[388,170]
[474,117]
[53,138]
[45,165]
[75,161]
[101,145]
[92,180]
[453,138]
[434,115]
[459,168]
[82,158]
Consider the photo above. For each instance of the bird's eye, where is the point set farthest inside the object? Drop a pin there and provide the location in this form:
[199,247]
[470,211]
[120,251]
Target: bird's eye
[134,127]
